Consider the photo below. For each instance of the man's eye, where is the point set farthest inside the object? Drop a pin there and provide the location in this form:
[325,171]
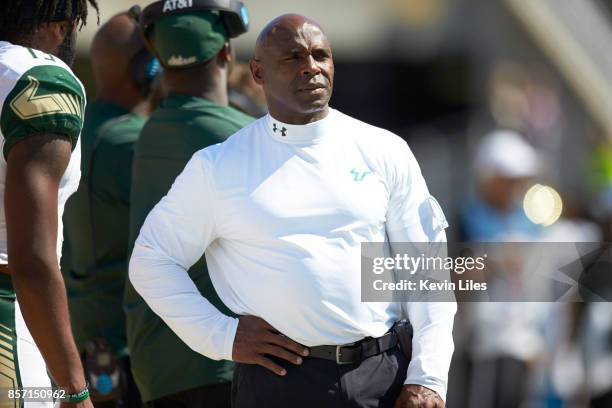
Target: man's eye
[320,56]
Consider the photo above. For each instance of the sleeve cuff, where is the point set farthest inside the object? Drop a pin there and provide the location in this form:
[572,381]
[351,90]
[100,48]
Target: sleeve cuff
[230,335]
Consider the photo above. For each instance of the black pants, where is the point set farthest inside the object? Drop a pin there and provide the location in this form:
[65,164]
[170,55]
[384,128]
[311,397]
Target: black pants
[209,396]
[318,383]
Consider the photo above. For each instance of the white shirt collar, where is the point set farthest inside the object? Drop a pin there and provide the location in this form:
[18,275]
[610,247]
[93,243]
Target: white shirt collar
[308,133]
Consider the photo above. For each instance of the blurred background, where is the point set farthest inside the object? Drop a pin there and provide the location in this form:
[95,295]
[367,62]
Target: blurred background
[507,106]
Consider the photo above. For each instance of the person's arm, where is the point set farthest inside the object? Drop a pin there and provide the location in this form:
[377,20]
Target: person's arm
[174,236]
[415,217]
[35,167]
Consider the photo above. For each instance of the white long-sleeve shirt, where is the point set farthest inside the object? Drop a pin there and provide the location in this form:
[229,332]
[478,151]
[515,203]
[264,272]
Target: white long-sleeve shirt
[280,212]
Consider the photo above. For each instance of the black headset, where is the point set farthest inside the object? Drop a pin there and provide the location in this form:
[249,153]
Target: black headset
[144,69]
[233,13]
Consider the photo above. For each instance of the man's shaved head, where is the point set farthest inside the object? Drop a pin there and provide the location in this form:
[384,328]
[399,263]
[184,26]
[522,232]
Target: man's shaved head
[293,63]
[115,43]
[285,24]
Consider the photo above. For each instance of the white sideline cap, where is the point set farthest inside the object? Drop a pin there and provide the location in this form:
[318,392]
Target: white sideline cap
[505,153]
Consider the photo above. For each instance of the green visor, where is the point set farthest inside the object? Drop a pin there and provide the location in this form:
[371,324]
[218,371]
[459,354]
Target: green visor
[188,39]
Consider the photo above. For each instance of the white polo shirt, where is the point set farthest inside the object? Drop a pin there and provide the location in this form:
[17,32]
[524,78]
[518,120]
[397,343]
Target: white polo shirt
[280,211]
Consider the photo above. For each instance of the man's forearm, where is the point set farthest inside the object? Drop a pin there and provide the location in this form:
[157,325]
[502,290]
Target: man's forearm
[42,298]
[432,344]
[173,296]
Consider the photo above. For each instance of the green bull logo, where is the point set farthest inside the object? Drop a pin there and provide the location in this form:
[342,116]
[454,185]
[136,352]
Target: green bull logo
[359,176]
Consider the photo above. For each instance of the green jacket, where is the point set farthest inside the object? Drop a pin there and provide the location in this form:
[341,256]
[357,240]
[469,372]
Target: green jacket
[97,226]
[161,363]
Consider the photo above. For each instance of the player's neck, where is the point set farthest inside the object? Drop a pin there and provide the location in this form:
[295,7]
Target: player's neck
[208,84]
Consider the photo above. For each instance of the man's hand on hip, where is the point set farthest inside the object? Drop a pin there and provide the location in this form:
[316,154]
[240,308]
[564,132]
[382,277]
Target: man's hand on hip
[417,396]
[255,338]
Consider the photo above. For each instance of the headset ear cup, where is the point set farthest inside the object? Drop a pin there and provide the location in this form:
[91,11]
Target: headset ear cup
[142,71]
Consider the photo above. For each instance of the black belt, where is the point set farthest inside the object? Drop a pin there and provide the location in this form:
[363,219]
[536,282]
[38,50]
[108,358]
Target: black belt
[355,352]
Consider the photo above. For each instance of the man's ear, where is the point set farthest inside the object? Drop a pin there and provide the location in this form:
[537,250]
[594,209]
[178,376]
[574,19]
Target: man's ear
[256,71]
[60,30]
[226,55]
[49,36]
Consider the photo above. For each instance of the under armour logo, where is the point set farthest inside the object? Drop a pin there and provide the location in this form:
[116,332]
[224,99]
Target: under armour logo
[357,176]
[283,130]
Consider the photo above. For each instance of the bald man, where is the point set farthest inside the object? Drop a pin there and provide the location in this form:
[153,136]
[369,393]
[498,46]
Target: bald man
[280,210]
[97,216]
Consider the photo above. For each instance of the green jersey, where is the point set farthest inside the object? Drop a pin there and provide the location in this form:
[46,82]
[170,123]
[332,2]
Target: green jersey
[173,133]
[97,113]
[97,226]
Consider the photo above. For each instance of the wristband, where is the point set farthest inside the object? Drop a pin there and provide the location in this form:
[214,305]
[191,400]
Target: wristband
[77,396]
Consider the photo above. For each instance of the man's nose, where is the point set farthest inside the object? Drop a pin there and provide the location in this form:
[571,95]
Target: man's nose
[310,67]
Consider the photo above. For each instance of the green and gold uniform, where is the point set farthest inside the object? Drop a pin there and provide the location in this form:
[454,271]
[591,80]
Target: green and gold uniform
[39,94]
[161,363]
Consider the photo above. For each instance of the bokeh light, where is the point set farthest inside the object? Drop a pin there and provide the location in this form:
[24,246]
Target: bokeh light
[542,205]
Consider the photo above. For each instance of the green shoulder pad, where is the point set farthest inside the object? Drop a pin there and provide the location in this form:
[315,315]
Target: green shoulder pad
[46,99]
